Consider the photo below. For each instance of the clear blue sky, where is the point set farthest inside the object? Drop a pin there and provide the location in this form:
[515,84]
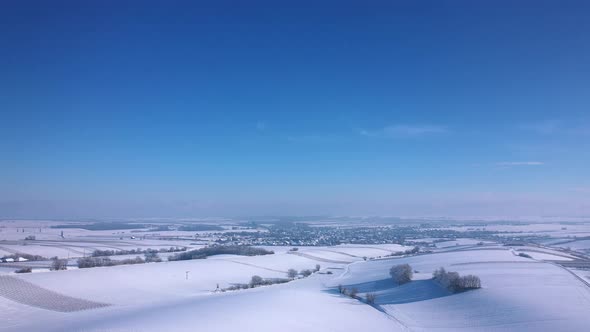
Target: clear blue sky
[194,108]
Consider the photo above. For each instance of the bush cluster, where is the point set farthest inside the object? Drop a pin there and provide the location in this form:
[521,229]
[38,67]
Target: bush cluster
[58,264]
[306,273]
[292,274]
[454,282]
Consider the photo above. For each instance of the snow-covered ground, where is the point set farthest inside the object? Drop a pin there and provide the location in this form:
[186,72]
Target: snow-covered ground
[518,294]
[544,253]
[578,245]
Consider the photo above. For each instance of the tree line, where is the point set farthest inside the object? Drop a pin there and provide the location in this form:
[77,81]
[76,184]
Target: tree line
[220,250]
[98,252]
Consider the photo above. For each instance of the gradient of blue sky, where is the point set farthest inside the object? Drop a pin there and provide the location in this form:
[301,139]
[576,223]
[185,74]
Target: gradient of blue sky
[137,108]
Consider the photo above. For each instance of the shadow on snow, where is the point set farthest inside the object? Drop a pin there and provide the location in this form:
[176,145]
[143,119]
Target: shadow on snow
[389,292]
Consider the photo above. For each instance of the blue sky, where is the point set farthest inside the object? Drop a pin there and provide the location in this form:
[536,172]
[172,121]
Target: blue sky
[186,109]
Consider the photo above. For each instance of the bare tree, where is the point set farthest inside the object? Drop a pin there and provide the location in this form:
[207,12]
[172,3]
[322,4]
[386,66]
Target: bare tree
[256,281]
[353,292]
[58,264]
[317,267]
[470,282]
[439,273]
[340,289]
[306,273]
[152,256]
[401,273]
[370,298]
[292,273]
[452,281]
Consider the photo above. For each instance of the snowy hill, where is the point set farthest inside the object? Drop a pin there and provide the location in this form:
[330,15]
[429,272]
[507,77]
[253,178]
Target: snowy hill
[518,294]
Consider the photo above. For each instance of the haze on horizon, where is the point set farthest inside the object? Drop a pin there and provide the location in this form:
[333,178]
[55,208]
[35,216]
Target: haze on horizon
[222,108]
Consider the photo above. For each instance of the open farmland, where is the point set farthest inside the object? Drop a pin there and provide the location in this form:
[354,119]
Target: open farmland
[525,287]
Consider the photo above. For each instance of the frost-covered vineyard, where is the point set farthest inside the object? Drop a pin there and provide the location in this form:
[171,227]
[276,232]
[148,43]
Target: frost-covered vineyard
[534,276]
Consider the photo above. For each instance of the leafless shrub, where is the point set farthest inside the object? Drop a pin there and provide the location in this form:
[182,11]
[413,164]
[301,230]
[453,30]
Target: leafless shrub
[256,281]
[306,273]
[58,264]
[370,298]
[470,282]
[292,273]
[152,256]
[401,273]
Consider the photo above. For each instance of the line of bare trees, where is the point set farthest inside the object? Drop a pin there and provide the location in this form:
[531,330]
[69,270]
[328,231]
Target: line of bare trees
[99,253]
[88,262]
[256,281]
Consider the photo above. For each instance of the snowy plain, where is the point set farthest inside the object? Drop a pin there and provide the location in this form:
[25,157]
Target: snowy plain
[518,293]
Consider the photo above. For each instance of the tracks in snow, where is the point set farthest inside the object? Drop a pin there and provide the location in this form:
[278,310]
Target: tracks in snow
[27,293]
[319,259]
[252,265]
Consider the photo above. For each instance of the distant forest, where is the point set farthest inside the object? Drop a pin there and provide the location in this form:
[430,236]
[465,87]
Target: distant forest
[103,226]
[199,228]
[219,250]
[109,226]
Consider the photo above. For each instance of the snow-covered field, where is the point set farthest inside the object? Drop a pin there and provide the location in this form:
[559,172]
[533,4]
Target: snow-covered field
[555,230]
[518,293]
[579,245]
